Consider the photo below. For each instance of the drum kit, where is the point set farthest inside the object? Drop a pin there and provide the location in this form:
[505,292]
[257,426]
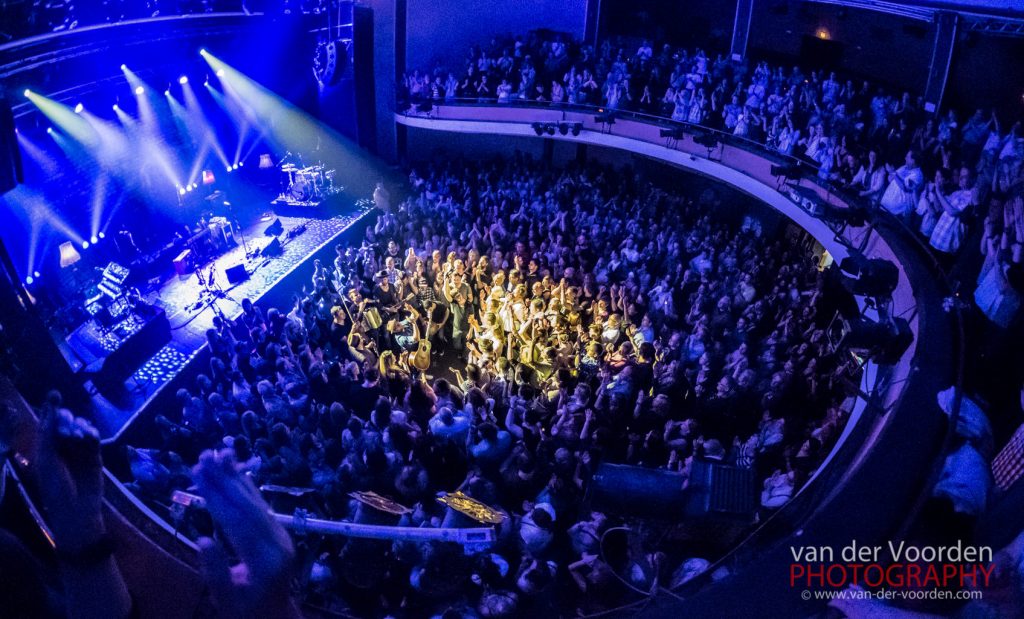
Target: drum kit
[309,184]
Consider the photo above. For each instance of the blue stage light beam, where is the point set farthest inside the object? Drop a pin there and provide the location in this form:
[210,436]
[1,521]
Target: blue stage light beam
[38,154]
[294,130]
[200,125]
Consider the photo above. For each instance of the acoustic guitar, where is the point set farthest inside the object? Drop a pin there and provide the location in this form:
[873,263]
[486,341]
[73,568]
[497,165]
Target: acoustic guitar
[421,358]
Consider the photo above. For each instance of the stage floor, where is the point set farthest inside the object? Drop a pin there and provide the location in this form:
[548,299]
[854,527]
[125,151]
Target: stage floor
[179,296]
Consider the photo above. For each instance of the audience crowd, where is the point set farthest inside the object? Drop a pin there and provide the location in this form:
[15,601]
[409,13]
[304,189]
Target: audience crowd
[575,317]
[954,178]
[507,328]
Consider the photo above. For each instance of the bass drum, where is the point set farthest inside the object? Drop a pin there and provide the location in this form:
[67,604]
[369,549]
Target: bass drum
[301,190]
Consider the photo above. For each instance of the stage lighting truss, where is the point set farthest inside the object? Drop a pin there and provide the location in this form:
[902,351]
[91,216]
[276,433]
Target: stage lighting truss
[563,128]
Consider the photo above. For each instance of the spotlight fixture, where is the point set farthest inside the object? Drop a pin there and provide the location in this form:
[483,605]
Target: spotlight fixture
[79,108]
[123,66]
[202,52]
[139,90]
[181,191]
[36,273]
[183,80]
[234,167]
[167,93]
[49,130]
[563,128]
[29,280]
[550,129]
[28,93]
[115,107]
[241,163]
[207,83]
[85,244]
[576,128]
[95,239]
[220,72]
[102,235]
[229,168]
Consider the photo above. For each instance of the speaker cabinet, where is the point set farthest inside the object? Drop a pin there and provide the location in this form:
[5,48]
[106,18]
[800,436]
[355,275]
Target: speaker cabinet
[236,274]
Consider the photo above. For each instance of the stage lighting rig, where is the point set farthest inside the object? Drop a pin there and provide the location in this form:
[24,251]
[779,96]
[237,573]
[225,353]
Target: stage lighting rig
[672,136]
[707,140]
[606,118]
[538,128]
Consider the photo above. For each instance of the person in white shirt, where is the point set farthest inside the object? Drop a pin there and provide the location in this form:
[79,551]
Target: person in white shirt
[645,52]
[900,197]
[504,91]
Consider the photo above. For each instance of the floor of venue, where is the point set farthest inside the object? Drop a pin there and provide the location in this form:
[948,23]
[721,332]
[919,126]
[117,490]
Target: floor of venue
[191,311]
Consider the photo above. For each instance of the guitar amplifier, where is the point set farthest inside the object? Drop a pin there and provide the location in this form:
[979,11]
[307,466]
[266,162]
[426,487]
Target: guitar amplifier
[236,274]
[183,263]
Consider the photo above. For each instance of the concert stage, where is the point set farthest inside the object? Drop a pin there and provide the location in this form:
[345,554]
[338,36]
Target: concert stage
[190,311]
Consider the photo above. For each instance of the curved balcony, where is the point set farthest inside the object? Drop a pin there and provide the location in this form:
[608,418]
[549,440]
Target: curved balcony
[895,412]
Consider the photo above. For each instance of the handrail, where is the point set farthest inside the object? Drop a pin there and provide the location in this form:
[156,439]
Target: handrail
[694,128]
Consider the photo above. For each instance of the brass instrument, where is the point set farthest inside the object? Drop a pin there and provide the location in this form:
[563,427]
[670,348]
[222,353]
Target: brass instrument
[471,507]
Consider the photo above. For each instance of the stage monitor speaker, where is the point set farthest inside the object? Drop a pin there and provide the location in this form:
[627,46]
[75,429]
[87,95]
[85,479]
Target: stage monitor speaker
[10,156]
[637,491]
[273,248]
[274,229]
[717,491]
[237,273]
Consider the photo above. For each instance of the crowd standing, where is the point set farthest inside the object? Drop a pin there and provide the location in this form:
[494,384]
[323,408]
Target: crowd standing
[574,317]
[954,178]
